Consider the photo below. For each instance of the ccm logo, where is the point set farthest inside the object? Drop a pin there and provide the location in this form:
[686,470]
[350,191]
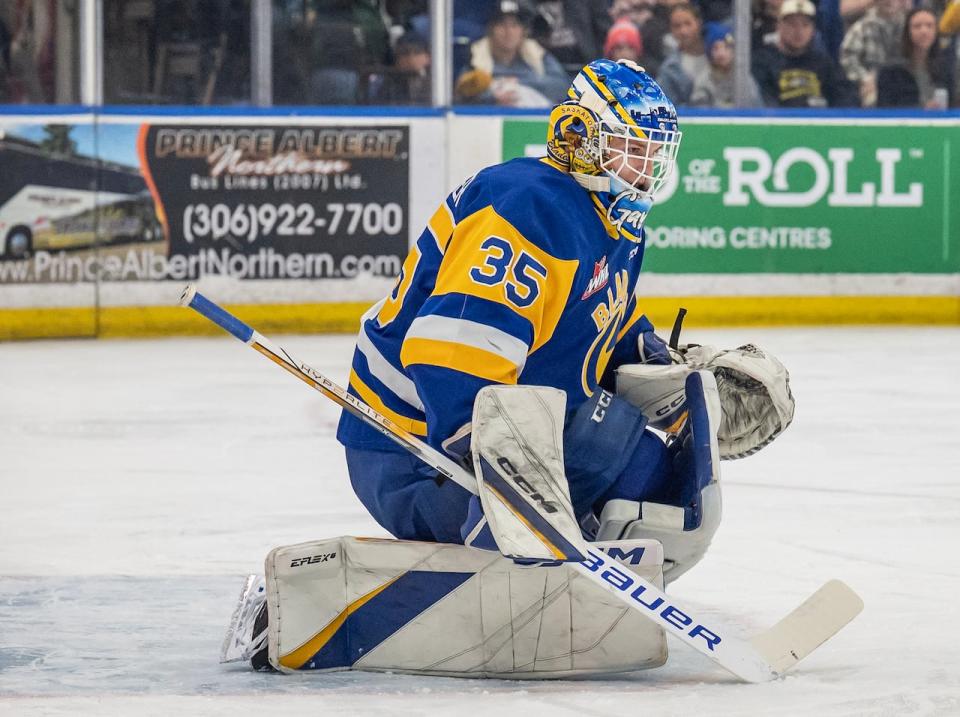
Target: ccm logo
[312,559]
[506,465]
[667,613]
[677,400]
[601,410]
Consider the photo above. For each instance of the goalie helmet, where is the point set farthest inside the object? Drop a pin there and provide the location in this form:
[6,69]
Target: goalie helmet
[617,132]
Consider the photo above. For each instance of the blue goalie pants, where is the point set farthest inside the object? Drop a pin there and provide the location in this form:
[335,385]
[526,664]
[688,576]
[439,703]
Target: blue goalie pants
[406,497]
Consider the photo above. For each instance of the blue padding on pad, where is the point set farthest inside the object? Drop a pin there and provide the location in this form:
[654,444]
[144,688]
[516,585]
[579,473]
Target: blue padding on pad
[225,320]
[412,594]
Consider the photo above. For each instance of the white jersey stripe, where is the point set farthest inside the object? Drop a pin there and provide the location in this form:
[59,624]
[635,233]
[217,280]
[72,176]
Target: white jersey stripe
[386,373]
[470,333]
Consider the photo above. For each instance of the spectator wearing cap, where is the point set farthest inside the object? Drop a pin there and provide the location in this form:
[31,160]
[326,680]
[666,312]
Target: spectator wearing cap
[623,42]
[677,72]
[872,41]
[794,72]
[715,86]
[508,68]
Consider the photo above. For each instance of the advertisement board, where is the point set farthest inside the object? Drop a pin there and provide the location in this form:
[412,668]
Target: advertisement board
[116,214]
[800,197]
[185,202]
[280,202]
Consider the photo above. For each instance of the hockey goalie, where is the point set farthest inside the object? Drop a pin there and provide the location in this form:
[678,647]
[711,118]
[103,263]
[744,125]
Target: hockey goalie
[515,342]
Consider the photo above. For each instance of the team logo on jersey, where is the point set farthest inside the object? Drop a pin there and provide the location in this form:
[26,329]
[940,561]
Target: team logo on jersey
[601,275]
[607,316]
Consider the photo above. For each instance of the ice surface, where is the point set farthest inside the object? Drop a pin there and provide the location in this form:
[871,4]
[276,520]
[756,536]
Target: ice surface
[140,480]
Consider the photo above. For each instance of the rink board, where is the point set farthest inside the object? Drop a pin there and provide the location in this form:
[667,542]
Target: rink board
[299,222]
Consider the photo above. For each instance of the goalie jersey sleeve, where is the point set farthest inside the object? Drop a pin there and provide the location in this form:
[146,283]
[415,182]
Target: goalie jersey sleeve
[518,277]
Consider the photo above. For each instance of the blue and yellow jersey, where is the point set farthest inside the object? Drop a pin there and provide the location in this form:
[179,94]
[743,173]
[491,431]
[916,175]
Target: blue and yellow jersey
[517,278]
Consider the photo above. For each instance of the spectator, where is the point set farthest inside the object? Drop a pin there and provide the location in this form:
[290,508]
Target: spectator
[510,69]
[794,73]
[715,86]
[408,81]
[950,27]
[623,42]
[677,72]
[636,11]
[950,21]
[31,53]
[765,16]
[652,19]
[923,75]
[571,30]
[871,42]
[830,27]
[829,34]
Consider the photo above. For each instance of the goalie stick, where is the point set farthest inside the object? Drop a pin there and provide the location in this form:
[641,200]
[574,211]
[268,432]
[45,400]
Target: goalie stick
[764,657]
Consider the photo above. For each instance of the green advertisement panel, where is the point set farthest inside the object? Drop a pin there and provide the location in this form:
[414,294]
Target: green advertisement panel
[800,197]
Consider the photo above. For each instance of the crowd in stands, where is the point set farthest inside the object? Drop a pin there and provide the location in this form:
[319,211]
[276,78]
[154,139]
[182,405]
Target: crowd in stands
[512,53]
[804,53]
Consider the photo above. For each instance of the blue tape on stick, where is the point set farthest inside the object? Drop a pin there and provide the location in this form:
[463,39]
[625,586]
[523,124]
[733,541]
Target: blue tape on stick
[221,317]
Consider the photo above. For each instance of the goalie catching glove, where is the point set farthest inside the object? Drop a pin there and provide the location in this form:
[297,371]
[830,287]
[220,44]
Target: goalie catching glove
[757,405]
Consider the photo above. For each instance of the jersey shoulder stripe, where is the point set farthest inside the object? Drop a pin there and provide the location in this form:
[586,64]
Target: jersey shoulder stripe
[459,357]
[481,311]
[386,373]
[470,333]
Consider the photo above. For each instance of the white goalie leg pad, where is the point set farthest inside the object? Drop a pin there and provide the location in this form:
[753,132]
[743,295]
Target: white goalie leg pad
[517,447]
[439,609]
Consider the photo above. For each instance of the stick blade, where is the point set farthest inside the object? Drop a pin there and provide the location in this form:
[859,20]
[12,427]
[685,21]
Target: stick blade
[820,617]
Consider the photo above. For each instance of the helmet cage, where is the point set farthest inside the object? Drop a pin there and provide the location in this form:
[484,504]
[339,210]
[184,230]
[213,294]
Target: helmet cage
[641,159]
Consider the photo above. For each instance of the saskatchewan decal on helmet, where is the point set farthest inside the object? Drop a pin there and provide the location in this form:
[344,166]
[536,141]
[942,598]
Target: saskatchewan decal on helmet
[572,138]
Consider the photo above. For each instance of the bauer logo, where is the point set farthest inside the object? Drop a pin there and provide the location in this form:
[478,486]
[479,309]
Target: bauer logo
[313,560]
[634,556]
[640,594]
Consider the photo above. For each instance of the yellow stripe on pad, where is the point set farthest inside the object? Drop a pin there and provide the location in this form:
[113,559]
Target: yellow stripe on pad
[557,553]
[298,658]
[458,357]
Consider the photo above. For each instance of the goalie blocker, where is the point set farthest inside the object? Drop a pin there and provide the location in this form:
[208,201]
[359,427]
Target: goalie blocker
[439,609]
